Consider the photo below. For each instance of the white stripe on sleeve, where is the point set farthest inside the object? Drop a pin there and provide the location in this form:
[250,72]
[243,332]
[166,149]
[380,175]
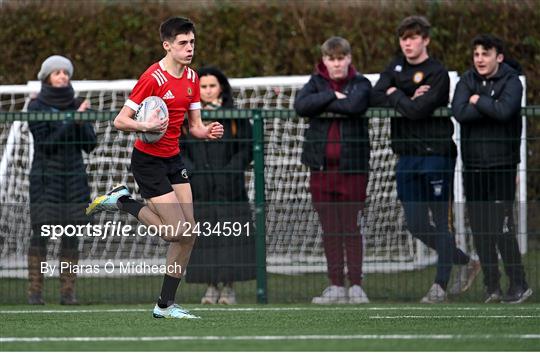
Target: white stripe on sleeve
[132,104]
[195,106]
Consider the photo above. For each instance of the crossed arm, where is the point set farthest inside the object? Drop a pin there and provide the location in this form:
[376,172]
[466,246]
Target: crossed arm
[468,105]
[312,101]
[421,105]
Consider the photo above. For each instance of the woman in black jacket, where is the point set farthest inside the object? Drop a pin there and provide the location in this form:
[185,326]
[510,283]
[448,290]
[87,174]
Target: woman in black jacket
[220,198]
[59,188]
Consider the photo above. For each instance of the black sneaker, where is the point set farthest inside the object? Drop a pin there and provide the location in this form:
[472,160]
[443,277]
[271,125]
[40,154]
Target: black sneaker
[517,295]
[493,296]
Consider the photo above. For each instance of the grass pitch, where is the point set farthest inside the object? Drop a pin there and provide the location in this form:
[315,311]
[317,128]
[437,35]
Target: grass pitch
[273,328]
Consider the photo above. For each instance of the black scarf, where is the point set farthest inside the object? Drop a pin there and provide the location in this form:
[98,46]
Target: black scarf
[61,98]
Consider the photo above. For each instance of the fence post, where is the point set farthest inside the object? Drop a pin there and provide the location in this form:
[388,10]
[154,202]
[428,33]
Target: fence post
[260,207]
[522,228]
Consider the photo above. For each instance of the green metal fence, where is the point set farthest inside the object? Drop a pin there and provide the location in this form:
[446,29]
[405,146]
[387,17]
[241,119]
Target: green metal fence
[269,287]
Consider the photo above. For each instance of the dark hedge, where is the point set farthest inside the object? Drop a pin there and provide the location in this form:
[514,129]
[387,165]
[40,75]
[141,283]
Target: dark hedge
[112,40]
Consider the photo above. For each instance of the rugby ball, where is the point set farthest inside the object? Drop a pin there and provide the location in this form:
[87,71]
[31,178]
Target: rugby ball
[147,106]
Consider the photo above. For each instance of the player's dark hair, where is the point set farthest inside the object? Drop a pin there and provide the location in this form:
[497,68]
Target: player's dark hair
[170,28]
[336,46]
[413,25]
[488,41]
[226,90]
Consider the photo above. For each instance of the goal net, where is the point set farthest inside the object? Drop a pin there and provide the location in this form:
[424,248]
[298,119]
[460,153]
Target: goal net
[293,232]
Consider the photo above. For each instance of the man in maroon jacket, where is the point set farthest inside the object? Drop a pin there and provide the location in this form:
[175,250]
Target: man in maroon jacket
[337,151]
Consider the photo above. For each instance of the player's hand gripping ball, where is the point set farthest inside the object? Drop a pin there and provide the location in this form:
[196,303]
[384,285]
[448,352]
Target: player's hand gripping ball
[146,108]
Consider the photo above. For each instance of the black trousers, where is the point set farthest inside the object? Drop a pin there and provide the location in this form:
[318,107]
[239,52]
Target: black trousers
[490,195]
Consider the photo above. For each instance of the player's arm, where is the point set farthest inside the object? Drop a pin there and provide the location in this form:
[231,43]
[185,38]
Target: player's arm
[197,129]
[125,121]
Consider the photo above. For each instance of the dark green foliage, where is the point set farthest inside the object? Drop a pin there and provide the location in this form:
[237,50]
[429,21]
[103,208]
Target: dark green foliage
[112,40]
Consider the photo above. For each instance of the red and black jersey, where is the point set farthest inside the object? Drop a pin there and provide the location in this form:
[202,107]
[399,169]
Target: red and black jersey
[180,95]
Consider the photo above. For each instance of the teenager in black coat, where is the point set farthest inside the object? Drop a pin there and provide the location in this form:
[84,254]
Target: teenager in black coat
[416,84]
[487,103]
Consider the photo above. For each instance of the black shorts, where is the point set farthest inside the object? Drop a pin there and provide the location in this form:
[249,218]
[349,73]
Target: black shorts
[156,175]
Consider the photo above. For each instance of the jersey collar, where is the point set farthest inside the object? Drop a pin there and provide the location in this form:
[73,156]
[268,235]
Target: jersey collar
[162,66]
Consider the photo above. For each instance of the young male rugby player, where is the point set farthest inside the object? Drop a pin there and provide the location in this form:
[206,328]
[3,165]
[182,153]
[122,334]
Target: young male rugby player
[158,167]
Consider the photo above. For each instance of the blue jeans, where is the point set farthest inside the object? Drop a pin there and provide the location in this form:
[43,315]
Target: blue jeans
[424,185]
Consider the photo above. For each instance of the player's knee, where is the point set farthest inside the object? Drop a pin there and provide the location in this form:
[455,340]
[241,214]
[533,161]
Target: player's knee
[180,233]
[191,221]
[170,233]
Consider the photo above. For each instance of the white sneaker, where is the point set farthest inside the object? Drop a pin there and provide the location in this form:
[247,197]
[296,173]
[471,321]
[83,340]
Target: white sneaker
[465,277]
[228,296]
[435,295]
[494,297]
[211,296]
[331,295]
[174,311]
[357,295]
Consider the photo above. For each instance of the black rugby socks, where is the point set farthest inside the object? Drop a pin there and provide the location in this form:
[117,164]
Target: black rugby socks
[130,205]
[168,291]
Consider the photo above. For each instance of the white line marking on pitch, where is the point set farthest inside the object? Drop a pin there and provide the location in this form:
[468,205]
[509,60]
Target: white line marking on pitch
[457,317]
[269,338]
[262,308]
